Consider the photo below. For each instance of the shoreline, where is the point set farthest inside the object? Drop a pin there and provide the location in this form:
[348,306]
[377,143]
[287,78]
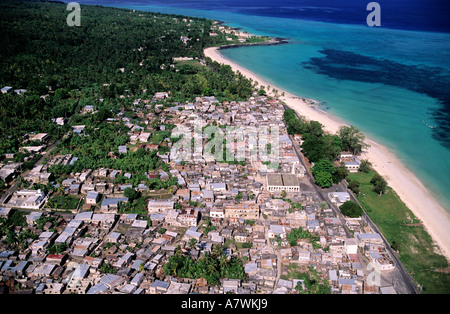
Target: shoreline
[271,42]
[409,188]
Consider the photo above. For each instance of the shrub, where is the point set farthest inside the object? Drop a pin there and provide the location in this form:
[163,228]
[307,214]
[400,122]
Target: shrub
[351,209]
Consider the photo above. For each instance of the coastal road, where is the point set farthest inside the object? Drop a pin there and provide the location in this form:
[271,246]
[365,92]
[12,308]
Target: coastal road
[408,284]
[323,194]
[400,275]
[407,280]
[13,188]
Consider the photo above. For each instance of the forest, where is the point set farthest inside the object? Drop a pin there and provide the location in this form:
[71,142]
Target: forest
[39,50]
[115,52]
[125,49]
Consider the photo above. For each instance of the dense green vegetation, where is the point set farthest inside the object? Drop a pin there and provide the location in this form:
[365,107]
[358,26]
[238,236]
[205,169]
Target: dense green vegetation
[324,149]
[107,269]
[93,150]
[114,52]
[312,283]
[352,139]
[415,248]
[379,184]
[16,240]
[299,233]
[57,248]
[21,114]
[41,221]
[212,266]
[63,202]
[351,209]
[317,145]
[107,40]
[323,172]
[135,206]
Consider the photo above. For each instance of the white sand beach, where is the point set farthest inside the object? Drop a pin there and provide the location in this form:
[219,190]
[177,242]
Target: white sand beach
[409,188]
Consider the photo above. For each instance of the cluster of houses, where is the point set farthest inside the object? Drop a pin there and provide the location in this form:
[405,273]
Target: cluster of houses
[33,143]
[232,34]
[249,208]
[9,89]
[9,171]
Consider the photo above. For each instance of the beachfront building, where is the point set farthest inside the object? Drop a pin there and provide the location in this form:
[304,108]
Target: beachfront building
[350,161]
[338,198]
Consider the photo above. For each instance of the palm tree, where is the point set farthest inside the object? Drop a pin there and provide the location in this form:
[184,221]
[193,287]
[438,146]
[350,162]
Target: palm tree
[178,251]
[211,268]
[192,243]
[223,264]
[217,251]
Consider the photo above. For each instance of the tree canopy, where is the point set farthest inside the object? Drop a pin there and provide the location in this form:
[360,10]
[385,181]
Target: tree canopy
[323,172]
[352,139]
[114,52]
[379,184]
[212,266]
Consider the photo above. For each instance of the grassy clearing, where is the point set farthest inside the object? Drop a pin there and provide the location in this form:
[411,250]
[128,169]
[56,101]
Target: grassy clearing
[238,245]
[195,64]
[63,202]
[160,194]
[416,249]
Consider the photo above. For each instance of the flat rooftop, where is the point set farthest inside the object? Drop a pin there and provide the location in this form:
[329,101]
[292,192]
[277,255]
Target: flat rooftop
[274,179]
[285,179]
[290,180]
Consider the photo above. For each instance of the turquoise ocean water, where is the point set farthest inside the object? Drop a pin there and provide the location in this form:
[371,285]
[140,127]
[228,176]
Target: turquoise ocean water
[370,77]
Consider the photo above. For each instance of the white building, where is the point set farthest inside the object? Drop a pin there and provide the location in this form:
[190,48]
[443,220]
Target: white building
[350,161]
[276,230]
[351,245]
[277,182]
[160,206]
[217,212]
[30,199]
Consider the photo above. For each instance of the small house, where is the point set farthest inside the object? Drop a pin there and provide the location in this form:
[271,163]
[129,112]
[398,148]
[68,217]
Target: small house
[92,197]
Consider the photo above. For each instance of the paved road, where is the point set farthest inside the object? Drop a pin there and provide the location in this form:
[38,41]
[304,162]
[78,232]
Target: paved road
[323,194]
[408,281]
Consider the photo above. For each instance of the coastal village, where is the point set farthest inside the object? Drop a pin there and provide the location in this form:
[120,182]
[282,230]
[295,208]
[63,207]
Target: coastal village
[140,155]
[250,210]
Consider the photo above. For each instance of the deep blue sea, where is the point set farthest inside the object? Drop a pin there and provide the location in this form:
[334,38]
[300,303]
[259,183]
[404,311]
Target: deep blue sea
[392,81]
